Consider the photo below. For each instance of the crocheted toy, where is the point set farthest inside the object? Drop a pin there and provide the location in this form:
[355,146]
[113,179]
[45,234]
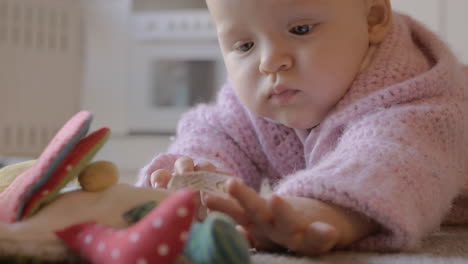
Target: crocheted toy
[216,240]
[103,221]
[9,173]
[158,238]
[66,155]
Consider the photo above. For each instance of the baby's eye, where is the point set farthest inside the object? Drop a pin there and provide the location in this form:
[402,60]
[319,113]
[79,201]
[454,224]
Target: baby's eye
[301,29]
[245,47]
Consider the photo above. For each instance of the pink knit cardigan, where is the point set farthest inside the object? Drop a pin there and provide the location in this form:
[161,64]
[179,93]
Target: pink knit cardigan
[392,148]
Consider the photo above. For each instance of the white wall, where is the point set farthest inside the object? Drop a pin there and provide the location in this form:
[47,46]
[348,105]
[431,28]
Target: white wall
[446,17]
[147,5]
[457,27]
[105,91]
[430,12]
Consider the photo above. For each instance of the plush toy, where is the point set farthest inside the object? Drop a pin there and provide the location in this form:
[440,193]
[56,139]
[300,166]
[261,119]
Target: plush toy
[103,221]
[9,173]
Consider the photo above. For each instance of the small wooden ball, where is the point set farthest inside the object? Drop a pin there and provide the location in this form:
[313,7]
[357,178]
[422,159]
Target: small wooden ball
[98,176]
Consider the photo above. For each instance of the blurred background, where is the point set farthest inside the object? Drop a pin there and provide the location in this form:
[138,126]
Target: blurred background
[135,64]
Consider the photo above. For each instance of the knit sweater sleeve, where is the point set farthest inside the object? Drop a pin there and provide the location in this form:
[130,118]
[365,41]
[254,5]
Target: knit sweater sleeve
[219,133]
[399,166]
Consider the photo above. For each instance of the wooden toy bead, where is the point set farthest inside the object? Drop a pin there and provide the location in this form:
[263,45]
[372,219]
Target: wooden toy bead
[98,176]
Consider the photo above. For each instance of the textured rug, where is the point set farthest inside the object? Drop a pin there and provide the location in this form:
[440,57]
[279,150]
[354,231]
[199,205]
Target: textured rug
[449,246]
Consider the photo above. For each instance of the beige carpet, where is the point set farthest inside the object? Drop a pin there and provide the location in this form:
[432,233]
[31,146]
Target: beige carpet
[449,246]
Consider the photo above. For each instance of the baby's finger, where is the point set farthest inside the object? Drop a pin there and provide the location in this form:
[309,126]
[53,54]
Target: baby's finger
[227,206]
[205,166]
[292,230]
[246,234]
[258,241]
[230,207]
[160,178]
[183,165]
[286,220]
[318,238]
[254,206]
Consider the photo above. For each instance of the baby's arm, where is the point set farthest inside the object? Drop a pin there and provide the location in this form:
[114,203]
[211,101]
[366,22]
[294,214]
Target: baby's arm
[400,166]
[303,225]
[220,134]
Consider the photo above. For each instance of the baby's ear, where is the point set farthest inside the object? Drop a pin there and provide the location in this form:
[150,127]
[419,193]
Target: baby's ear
[379,19]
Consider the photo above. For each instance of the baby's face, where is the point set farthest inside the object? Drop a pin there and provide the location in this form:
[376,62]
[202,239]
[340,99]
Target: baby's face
[291,60]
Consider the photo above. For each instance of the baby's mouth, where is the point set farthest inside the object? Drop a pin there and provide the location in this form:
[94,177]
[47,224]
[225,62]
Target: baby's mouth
[282,95]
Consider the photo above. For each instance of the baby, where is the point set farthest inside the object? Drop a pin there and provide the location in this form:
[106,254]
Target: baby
[352,112]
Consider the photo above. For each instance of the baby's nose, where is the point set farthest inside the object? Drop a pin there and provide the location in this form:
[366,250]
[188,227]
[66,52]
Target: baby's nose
[275,61]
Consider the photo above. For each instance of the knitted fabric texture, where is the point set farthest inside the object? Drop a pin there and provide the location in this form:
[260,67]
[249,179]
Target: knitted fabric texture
[391,149]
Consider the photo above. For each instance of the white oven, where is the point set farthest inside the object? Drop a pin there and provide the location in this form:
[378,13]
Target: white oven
[175,64]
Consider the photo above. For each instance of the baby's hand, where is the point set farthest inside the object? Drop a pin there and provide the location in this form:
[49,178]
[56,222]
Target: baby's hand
[272,222]
[161,178]
[202,182]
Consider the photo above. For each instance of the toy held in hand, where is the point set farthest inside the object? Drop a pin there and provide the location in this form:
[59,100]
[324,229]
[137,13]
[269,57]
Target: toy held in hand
[206,182]
[203,182]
